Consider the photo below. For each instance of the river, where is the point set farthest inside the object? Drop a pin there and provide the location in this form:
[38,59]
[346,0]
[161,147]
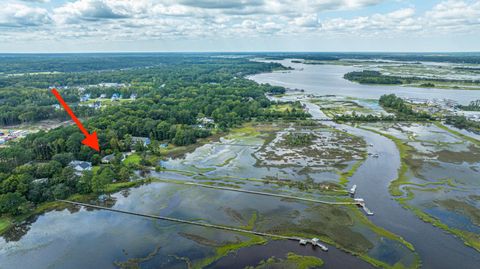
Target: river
[323,79]
[437,248]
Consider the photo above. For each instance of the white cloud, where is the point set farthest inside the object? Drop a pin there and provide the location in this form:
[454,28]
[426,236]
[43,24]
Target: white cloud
[396,21]
[212,19]
[307,20]
[94,10]
[19,15]
[36,1]
[454,14]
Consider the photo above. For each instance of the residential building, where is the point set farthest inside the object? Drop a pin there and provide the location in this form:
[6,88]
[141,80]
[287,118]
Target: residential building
[144,140]
[81,166]
[85,97]
[108,158]
[116,97]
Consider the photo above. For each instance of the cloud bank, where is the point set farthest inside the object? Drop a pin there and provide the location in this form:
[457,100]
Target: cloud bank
[118,20]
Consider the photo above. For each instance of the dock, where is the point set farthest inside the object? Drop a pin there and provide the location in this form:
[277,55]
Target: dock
[265,193]
[353,190]
[196,223]
[315,243]
[356,201]
[361,203]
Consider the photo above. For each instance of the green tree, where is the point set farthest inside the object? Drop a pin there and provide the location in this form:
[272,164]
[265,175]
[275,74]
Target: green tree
[13,203]
[102,179]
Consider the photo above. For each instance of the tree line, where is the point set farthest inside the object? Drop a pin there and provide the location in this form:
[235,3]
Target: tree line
[171,101]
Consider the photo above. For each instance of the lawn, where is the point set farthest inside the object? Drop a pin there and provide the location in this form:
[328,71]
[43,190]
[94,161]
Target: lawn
[132,159]
[5,222]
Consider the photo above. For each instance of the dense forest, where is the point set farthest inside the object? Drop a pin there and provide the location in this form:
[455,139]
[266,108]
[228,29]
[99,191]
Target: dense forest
[172,98]
[28,105]
[371,77]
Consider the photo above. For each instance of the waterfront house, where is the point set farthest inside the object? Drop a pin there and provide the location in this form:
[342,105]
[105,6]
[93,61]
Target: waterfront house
[80,166]
[145,141]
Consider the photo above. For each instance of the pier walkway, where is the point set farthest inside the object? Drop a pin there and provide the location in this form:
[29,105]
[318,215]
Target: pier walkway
[266,194]
[357,201]
[196,223]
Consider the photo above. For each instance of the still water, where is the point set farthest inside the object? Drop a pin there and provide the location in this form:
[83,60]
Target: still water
[328,79]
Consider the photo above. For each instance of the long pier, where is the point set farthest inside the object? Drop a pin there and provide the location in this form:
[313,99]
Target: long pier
[196,223]
[265,193]
[357,201]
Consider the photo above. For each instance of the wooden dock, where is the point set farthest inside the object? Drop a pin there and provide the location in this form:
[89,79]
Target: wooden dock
[196,223]
[265,194]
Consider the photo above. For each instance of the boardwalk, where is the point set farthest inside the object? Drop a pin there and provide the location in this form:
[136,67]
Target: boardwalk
[266,194]
[196,223]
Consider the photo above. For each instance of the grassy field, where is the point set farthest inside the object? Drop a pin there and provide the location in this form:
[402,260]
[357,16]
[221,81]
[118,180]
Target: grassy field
[132,159]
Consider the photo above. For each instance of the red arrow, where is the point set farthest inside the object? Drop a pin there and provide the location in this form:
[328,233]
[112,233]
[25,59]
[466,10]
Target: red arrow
[91,140]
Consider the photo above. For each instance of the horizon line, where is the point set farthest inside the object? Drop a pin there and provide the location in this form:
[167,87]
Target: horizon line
[236,52]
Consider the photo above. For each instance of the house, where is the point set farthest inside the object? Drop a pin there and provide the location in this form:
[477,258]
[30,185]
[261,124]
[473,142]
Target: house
[206,120]
[108,158]
[133,96]
[95,105]
[85,97]
[103,95]
[2,141]
[111,85]
[80,166]
[40,180]
[116,97]
[144,140]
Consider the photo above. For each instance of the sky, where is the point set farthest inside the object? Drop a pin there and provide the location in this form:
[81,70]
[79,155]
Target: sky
[242,25]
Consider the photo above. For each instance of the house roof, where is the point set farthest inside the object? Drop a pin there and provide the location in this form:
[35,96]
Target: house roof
[108,157]
[81,164]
